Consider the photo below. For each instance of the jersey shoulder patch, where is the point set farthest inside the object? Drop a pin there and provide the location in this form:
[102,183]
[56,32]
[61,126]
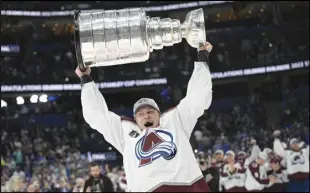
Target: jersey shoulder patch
[130,127]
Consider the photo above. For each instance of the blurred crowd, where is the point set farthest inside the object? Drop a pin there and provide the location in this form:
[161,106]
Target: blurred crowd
[46,160]
[232,130]
[49,58]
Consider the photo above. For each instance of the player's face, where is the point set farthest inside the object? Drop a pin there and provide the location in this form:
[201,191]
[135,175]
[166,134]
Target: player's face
[261,161]
[230,158]
[147,117]
[95,171]
[241,157]
[274,166]
[219,157]
[295,146]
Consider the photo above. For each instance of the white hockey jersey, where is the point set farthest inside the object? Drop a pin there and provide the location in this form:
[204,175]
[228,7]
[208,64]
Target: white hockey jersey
[156,156]
[256,177]
[253,156]
[296,162]
[281,176]
[232,181]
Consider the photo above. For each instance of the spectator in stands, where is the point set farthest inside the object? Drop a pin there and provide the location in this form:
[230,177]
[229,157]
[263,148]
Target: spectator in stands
[211,174]
[97,182]
[79,185]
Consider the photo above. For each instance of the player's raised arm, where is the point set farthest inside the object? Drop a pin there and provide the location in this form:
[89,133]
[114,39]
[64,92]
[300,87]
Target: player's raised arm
[96,112]
[199,91]
[278,147]
[254,152]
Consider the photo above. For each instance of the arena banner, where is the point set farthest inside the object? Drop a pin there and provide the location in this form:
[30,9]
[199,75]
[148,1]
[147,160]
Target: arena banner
[260,70]
[147,9]
[106,156]
[72,87]
[154,82]
[10,49]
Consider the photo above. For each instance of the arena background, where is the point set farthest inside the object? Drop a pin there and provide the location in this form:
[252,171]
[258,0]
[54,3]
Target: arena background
[259,64]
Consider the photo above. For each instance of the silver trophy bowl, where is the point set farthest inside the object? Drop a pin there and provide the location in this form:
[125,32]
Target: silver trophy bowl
[115,37]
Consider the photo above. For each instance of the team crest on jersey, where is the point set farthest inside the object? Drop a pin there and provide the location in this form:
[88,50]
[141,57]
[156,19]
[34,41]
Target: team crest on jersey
[297,158]
[153,145]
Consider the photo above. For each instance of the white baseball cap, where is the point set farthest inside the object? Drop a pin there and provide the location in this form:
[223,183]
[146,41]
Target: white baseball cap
[230,152]
[263,156]
[145,102]
[267,150]
[219,152]
[294,140]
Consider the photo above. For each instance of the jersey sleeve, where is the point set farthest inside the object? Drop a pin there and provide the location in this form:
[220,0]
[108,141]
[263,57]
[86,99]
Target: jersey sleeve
[284,176]
[303,145]
[264,181]
[98,116]
[278,148]
[197,99]
[223,179]
[254,153]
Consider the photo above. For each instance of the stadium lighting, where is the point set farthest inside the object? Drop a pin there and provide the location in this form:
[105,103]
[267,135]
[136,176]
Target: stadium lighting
[3,103]
[34,98]
[20,100]
[43,98]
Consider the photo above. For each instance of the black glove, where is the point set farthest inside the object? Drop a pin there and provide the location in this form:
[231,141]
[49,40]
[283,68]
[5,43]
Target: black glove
[86,79]
[203,55]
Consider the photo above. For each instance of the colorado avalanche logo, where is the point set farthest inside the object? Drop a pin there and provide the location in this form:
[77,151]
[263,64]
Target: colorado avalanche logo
[153,145]
[297,158]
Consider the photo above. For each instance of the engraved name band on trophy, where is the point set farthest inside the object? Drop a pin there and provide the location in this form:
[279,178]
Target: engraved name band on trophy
[114,37]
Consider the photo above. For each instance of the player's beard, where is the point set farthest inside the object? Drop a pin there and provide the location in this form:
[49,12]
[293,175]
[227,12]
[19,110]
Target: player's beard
[96,177]
[148,124]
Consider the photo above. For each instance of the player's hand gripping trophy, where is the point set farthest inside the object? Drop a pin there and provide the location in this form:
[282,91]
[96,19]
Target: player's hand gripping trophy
[114,37]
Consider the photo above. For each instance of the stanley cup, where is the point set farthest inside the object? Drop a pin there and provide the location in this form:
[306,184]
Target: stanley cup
[114,37]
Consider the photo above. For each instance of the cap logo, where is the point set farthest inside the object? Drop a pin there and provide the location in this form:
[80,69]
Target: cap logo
[143,101]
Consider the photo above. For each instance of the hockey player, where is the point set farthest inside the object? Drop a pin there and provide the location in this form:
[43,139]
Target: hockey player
[296,159]
[233,175]
[218,161]
[241,157]
[257,174]
[155,147]
[280,173]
